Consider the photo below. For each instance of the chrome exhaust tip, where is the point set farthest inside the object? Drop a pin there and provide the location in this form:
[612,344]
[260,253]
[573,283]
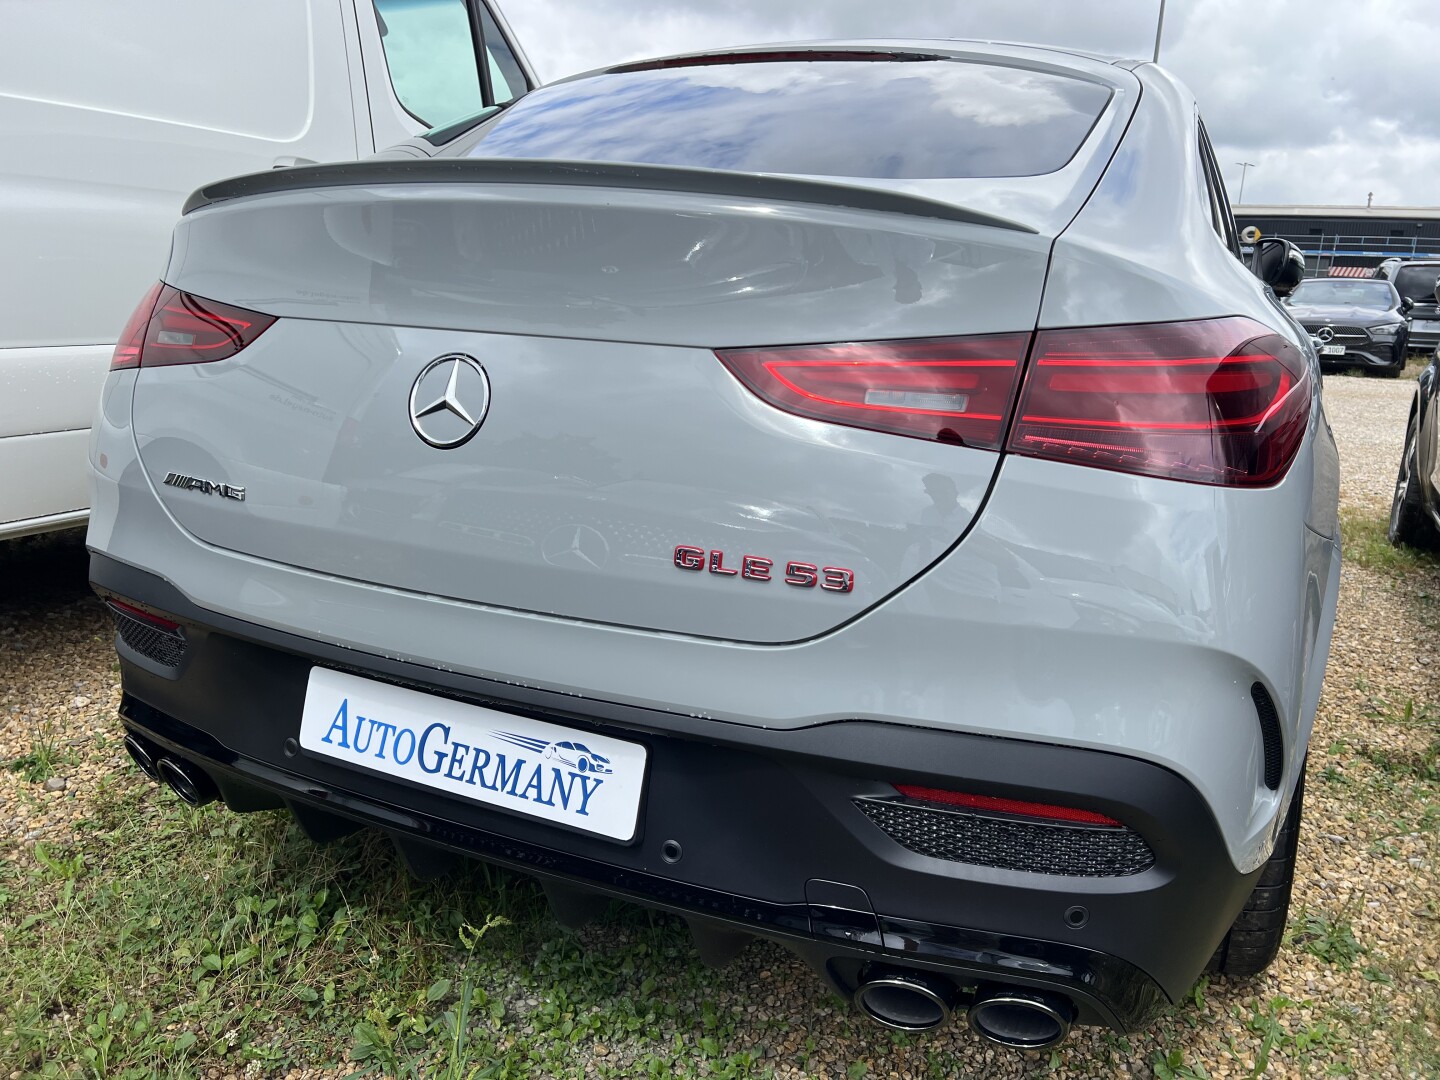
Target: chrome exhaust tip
[190,783]
[1021,1019]
[907,1000]
[143,758]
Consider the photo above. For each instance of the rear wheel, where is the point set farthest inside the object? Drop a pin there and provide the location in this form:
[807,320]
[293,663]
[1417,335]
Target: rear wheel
[1409,523]
[1254,938]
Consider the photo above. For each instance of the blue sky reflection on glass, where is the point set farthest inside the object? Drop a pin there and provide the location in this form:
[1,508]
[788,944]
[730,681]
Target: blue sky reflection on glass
[919,119]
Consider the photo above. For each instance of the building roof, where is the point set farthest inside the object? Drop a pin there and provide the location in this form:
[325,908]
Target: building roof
[1396,213]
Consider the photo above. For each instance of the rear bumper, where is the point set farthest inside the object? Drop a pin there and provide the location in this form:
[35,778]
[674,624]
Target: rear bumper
[772,838]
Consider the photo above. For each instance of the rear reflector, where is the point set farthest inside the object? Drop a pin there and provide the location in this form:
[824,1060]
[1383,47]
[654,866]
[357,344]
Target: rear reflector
[172,327]
[1019,807]
[1223,401]
[957,390]
[130,610]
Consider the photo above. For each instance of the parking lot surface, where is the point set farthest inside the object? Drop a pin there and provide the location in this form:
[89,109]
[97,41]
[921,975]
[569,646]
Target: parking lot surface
[128,922]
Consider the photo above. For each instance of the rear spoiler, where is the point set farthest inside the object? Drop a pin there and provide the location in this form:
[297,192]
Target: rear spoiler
[591,174]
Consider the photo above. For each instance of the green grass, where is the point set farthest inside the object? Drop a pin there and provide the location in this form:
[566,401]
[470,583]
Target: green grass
[171,938]
[44,757]
[1365,544]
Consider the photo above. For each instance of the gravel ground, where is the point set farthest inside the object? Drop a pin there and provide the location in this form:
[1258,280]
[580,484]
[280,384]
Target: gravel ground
[1367,861]
[1368,418]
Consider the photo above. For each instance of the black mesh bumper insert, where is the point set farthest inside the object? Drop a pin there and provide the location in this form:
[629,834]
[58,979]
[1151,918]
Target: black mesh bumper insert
[1007,843]
[166,649]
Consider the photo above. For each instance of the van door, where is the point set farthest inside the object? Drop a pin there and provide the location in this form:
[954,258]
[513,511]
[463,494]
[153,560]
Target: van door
[109,124]
[421,68]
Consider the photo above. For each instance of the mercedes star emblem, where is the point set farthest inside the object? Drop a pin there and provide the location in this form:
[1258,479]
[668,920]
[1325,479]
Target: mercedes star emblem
[1325,334]
[449,400]
[577,546]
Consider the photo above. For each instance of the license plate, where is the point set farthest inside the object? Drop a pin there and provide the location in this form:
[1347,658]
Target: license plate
[577,778]
[1426,326]
[1332,350]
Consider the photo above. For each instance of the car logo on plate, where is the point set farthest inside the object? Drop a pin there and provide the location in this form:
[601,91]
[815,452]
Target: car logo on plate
[1325,334]
[449,400]
[575,545]
[573,755]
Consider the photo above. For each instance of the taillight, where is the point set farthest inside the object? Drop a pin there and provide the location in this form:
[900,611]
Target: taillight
[1019,807]
[1223,401]
[132,338]
[174,327]
[957,390]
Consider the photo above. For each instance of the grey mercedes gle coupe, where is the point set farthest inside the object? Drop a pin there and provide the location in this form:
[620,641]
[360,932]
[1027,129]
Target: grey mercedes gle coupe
[875,457]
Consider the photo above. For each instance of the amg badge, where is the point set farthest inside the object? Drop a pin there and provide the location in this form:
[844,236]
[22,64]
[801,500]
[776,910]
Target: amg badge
[209,487]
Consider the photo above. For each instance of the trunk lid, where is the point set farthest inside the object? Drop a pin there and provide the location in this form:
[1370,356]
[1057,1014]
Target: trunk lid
[613,434]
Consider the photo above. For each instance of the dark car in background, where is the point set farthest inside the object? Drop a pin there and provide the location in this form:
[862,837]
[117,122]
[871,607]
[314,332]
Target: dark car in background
[1415,280]
[1354,322]
[1415,511]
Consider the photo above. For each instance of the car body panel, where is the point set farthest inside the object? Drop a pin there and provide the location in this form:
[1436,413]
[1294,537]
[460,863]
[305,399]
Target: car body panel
[1426,410]
[568,503]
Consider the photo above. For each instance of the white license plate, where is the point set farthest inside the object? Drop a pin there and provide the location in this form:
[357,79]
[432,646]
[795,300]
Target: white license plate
[575,778]
[1426,326]
[1332,350]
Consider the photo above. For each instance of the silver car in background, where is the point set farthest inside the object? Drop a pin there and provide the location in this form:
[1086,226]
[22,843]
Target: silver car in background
[874,455]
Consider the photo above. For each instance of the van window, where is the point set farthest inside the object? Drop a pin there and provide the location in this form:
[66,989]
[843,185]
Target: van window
[430,52]
[853,117]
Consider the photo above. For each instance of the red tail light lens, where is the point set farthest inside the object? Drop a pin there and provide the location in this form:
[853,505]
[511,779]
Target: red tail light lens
[964,801]
[132,338]
[1224,401]
[958,390]
[179,328]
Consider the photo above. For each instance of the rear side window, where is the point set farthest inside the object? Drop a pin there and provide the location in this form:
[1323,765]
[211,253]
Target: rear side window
[1221,216]
[909,119]
[1417,282]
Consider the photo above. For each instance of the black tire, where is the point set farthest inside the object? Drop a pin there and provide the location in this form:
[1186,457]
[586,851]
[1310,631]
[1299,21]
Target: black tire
[1409,523]
[1254,938]
[1393,372]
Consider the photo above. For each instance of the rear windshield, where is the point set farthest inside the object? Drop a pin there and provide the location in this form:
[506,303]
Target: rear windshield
[882,119]
[1418,282]
[1339,291]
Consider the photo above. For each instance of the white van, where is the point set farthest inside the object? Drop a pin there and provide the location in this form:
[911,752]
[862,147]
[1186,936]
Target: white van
[111,114]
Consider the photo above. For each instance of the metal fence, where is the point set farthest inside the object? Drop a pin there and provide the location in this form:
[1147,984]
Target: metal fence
[1325,250]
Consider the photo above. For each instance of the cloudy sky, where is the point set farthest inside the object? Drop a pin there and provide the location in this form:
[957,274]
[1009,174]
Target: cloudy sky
[1331,99]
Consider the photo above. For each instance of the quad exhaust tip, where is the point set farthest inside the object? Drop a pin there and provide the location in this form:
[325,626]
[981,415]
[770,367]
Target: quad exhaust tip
[143,758]
[189,783]
[1014,1017]
[907,1000]
[1021,1019]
